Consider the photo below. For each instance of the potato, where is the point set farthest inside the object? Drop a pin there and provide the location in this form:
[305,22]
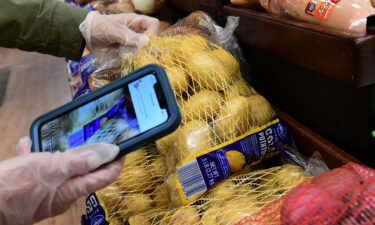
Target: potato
[158,167]
[202,105]
[184,46]
[135,158]
[135,203]
[135,178]
[139,220]
[290,176]
[239,88]
[120,7]
[186,215]
[173,193]
[111,197]
[154,53]
[223,191]
[116,221]
[233,119]
[178,79]
[192,138]
[211,216]
[165,144]
[229,62]
[160,196]
[236,160]
[260,110]
[233,211]
[208,71]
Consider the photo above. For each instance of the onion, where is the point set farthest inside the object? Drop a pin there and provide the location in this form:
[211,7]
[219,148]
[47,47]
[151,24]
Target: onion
[148,6]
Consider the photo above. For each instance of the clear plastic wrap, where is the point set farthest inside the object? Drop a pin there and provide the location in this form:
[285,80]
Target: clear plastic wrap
[346,16]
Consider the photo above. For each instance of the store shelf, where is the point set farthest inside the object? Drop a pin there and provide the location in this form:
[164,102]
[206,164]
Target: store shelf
[194,5]
[348,59]
[308,142]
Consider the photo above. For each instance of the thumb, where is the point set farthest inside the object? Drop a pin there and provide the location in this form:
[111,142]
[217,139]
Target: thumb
[24,146]
[82,160]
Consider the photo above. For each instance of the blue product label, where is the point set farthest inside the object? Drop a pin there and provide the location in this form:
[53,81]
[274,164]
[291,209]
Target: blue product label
[86,65]
[95,213]
[196,175]
[82,90]
[73,67]
[88,7]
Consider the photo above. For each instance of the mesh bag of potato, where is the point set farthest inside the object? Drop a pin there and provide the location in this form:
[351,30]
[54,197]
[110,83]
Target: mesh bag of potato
[139,188]
[225,124]
[231,200]
[345,195]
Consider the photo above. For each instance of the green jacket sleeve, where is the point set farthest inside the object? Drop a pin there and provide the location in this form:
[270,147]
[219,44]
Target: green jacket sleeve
[45,26]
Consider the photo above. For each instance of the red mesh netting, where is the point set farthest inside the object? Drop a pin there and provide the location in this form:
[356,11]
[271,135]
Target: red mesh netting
[344,196]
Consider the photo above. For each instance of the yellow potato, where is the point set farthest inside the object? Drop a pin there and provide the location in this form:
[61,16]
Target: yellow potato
[116,221]
[135,203]
[178,79]
[290,176]
[202,105]
[227,59]
[187,46]
[186,215]
[223,191]
[260,110]
[165,144]
[160,196]
[233,211]
[233,118]
[139,220]
[240,87]
[209,72]
[192,138]
[211,216]
[236,160]
[111,197]
[135,158]
[135,178]
[158,167]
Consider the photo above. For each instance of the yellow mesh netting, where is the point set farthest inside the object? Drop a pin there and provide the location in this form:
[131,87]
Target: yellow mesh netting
[230,200]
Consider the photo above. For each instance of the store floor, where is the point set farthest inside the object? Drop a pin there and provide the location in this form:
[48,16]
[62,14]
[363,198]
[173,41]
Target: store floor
[37,84]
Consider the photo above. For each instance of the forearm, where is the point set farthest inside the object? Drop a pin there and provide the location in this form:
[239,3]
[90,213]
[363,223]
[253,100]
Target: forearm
[45,26]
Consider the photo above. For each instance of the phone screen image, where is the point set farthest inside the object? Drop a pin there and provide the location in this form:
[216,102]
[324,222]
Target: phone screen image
[113,118]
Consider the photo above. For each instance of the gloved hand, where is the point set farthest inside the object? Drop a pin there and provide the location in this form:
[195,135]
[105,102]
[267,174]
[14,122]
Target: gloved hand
[40,185]
[104,33]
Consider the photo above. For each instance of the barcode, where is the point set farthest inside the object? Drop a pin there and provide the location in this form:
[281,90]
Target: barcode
[191,179]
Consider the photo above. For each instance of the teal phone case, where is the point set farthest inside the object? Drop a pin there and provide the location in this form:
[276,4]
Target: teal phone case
[135,142]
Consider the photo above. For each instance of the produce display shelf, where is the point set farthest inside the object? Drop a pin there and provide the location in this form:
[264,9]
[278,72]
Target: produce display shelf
[194,5]
[342,57]
[307,142]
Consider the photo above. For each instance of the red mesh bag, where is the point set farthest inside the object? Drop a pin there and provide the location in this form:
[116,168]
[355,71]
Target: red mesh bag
[344,196]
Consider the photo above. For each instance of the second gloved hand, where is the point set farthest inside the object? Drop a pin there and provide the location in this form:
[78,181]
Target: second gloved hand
[103,32]
[40,185]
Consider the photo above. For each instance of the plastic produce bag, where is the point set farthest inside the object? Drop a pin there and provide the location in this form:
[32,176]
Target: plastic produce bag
[225,124]
[231,200]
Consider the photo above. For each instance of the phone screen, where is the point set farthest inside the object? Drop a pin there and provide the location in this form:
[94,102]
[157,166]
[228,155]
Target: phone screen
[113,118]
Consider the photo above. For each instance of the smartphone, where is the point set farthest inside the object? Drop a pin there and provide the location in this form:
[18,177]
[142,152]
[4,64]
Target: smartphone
[129,112]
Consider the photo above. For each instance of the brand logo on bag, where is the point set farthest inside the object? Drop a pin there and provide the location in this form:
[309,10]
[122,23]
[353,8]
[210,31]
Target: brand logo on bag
[282,131]
[97,220]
